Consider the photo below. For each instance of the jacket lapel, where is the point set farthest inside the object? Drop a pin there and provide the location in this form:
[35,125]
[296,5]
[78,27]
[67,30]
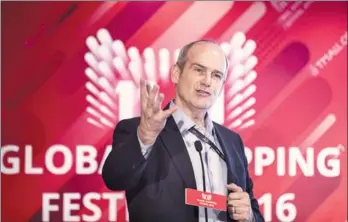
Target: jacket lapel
[174,143]
[228,148]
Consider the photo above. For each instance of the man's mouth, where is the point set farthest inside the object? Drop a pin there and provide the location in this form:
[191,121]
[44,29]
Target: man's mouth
[203,92]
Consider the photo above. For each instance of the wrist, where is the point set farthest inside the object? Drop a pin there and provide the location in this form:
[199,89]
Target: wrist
[145,136]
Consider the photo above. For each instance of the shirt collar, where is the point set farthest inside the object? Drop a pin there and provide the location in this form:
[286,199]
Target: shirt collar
[184,122]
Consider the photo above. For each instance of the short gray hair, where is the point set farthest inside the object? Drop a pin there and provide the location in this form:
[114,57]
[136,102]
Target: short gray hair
[182,58]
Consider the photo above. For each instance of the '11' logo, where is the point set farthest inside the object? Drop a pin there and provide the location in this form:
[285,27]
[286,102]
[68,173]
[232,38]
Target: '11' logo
[114,73]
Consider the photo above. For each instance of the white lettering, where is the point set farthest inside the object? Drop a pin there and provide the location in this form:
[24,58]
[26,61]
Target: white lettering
[69,206]
[329,55]
[13,161]
[264,156]
[293,161]
[87,202]
[112,197]
[285,210]
[281,169]
[90,201]
[266,201]
[87,155]
[333,165]
[28,167]
[289,161]
[67,156]
[296,157]
[47,206]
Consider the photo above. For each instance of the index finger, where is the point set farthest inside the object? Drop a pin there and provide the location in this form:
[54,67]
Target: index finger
[233,187]
[237,196]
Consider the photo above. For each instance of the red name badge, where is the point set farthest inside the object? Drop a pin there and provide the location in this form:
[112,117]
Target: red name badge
[205,199]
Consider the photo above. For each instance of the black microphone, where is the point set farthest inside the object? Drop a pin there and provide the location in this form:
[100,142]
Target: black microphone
[199,147]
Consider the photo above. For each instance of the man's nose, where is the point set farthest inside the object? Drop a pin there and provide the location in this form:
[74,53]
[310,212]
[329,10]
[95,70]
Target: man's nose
[206,81]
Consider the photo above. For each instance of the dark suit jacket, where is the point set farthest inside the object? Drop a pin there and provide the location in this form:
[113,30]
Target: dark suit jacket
[155,187]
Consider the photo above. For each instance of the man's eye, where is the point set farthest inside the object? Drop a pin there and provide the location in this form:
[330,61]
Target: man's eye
[219,76]
[198,69]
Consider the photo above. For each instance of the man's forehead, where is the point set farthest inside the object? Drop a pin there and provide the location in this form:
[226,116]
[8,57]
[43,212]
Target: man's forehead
[208,66]
[219,66]
[209,55]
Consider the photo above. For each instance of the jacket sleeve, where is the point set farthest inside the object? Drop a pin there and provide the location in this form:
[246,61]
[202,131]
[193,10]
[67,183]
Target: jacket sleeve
[249,188]
[125,164]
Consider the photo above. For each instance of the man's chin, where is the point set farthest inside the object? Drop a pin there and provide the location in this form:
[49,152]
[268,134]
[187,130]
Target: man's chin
[202,106]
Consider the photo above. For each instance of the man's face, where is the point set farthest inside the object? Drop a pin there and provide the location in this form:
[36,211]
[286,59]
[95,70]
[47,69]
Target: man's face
[201,80]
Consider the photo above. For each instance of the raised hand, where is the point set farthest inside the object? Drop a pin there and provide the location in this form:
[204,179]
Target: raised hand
[152,117]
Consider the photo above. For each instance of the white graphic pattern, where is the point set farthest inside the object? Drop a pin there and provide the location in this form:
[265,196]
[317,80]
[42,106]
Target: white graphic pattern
[240,87]
[114,73]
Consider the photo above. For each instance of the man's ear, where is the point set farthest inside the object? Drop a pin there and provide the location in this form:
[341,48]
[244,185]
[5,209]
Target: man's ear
[175,74]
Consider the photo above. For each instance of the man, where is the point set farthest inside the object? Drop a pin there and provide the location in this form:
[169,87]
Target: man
[154,157]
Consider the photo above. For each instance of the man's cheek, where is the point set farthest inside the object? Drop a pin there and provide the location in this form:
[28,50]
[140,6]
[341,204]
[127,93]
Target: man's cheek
[216,93]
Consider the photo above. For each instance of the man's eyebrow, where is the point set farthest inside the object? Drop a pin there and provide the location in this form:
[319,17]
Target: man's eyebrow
[202,66]
[197,64]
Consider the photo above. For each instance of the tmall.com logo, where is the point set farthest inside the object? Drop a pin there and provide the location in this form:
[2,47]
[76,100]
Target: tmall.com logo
[114,73]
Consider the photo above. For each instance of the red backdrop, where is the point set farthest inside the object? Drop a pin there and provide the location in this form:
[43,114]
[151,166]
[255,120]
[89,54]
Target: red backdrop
[62,93]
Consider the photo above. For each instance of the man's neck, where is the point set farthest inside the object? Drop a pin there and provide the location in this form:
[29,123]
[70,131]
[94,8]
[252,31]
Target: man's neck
[197,115]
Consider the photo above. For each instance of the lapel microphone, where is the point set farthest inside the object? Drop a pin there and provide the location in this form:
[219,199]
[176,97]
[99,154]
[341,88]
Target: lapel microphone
[199,147]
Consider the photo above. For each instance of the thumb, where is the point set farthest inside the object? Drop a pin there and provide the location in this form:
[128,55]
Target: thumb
[169,111]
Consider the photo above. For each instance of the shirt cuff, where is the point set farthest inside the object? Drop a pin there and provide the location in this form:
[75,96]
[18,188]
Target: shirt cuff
[145,149]
[251,217]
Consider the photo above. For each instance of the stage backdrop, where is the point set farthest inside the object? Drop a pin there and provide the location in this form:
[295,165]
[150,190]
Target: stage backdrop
[70,72]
